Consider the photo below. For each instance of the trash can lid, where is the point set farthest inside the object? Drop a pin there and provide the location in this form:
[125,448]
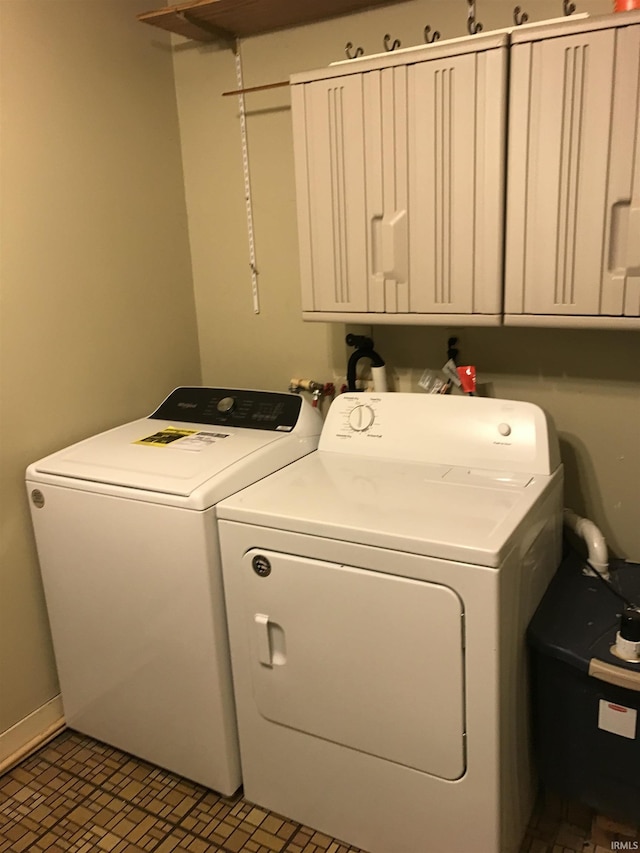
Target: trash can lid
[579,616]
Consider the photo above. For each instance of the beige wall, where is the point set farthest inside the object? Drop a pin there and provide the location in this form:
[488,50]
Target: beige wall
[588,380]
[97,313]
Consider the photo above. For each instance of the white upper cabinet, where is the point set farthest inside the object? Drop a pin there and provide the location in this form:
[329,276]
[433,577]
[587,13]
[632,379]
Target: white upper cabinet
[400,184]
[401,161]
[573,199]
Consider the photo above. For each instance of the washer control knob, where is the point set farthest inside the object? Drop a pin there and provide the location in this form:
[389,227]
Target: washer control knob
[226,405]
[504,429]
[361,418]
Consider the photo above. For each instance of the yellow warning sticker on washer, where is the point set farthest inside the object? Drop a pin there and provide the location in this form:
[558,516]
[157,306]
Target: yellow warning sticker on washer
[165,437]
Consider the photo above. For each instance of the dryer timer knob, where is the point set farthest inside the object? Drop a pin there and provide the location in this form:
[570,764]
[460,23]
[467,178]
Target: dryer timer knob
[226,405]
[361,417]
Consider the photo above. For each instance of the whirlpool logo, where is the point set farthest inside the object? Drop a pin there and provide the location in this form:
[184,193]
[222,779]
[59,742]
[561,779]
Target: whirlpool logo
[187,405]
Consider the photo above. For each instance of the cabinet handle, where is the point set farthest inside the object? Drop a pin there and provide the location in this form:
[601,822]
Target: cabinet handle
[618,245]
[376,281]
[633,241]
[394,242]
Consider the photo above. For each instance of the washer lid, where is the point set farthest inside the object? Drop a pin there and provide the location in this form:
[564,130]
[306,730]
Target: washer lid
[453,513]
[161,456]
[199,446]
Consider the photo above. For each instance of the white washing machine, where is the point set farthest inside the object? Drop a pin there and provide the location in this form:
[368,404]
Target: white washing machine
[125,526]
[378,592]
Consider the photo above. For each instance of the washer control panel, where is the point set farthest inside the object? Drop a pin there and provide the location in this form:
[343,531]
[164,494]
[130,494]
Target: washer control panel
[264,410]
[477,432]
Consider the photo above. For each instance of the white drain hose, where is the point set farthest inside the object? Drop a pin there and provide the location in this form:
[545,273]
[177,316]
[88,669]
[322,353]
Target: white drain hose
[379,376]
[594,540]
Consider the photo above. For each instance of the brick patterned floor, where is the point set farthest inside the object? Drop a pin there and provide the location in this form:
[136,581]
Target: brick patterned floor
[77,795]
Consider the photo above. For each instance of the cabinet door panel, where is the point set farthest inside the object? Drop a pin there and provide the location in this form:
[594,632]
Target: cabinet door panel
[621,262]
[561,101]
[372,90]
[385,128]
[441,103]
[395,250]
[490,175]
[330,177]
[456,183]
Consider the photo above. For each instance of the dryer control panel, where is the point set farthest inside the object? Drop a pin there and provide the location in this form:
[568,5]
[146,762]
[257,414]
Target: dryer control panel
[474,432]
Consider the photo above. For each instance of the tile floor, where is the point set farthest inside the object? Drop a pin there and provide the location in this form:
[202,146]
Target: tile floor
[76,795]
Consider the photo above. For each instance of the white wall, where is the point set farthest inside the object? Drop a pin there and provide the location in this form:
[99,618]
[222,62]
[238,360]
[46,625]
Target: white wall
[97,313]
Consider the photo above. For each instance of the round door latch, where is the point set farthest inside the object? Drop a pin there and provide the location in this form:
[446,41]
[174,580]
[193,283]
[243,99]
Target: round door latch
[37,498]
[261,566]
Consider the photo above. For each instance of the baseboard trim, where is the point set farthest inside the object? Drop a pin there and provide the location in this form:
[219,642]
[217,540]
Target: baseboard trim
[30,734]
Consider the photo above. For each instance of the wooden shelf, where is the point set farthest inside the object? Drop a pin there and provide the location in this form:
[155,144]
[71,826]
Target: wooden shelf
[228,20]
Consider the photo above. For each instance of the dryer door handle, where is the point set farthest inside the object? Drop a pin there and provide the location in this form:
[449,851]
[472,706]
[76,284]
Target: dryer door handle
[270,641]
[263,641]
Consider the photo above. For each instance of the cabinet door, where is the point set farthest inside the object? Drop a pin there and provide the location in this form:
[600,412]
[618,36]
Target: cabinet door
[400,183]
[352,225]
[329,150]
[572,137]
[621,262]
[457,112]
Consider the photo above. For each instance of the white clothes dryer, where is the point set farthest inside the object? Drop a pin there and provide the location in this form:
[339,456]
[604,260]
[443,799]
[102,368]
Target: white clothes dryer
[125,527]
[378,593]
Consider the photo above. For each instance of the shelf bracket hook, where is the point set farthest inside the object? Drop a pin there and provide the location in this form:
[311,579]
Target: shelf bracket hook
[395,45]
[519,17]
[472,27]
[429,39]
[349,47]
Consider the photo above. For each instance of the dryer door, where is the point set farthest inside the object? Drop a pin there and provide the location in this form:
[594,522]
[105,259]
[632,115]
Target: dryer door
[367,660]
